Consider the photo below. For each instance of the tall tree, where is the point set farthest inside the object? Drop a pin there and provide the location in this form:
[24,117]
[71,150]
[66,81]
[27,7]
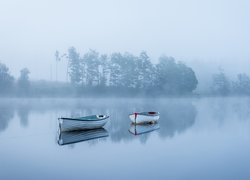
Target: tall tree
[187,80]
[221,84]
[91,59]
[122,70]
[128,73]
[6,80]
[115,69]
[145,71]
[167,73]
[57,56]
[104,70]
[174,78]
[23,82]
[75,66]
[242,85]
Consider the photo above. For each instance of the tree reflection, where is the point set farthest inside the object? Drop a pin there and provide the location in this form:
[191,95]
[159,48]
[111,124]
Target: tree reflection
[6,114]
[23,113]
[176,117]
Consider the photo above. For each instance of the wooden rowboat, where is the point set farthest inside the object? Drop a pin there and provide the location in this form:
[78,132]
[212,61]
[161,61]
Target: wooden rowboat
[82,123]
[144,117]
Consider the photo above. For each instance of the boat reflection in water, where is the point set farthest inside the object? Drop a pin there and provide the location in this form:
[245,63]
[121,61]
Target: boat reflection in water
[69,137]
[143,128]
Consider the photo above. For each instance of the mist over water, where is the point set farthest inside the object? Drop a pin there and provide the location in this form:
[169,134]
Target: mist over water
[186,59]
[205,138]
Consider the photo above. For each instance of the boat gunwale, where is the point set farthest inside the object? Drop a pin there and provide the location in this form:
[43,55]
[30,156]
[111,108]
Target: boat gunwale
[145,114]
[78,119]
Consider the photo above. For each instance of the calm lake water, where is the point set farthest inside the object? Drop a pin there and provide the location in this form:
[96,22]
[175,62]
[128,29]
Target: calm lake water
[207,138]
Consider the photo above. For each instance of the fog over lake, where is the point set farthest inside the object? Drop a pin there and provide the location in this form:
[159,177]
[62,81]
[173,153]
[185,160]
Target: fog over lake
[71,64]
[205,138]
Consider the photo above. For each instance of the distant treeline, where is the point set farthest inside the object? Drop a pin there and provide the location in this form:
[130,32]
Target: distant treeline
[223,85]
[95,74]
[129,73]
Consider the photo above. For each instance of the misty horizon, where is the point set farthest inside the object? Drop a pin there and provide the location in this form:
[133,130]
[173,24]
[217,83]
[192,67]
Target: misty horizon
[141,89]
[205,35]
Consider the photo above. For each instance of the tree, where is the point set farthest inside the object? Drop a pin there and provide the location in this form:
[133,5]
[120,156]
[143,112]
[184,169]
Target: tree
[221,84]
[242,85]
[75,67]
[23,82]
[115,70]
[145,71]
[57,60]
[187,79]
[128,73]
[122,70]
[104,71]
[92,62]
[166,75]
[6,80]
[174,78]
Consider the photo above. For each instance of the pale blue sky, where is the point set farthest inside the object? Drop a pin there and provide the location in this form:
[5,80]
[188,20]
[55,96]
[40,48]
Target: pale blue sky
[206,32]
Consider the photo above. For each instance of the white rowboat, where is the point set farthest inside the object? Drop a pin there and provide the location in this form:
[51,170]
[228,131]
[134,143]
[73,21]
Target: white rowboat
[144,117]
[82,123]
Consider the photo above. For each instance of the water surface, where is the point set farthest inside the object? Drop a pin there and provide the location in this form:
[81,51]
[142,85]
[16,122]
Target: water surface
[207,138]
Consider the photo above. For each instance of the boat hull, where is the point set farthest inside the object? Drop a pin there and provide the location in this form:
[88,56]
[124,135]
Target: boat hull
[73,125]
[141,118]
